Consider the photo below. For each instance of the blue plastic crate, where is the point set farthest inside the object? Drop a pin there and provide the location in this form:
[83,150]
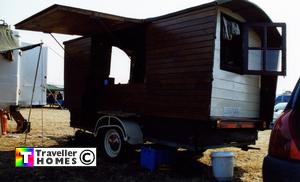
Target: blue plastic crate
[152,157]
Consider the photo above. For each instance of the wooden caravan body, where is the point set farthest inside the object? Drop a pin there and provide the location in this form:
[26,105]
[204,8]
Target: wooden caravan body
[205,76]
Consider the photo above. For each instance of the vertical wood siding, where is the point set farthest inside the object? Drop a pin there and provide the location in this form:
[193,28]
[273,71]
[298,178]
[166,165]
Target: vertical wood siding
[77,68]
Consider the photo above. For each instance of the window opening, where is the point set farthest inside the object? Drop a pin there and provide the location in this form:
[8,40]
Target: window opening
[231,44]
[120,66]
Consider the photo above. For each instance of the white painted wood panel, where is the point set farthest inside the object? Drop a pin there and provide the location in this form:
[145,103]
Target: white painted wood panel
[233,95]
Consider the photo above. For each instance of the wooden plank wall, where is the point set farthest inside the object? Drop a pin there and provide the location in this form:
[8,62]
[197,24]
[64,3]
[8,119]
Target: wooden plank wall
[267,95]
[77,68]
[121,97]
[179,59]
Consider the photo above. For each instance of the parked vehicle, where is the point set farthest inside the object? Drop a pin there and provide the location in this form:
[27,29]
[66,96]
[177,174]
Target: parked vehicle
[283,160]
[17,76]
[282,98]
[278,109]
[199,78]
[18,64]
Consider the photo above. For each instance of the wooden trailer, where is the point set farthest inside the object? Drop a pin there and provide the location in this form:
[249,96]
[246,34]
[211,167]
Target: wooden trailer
[200,78]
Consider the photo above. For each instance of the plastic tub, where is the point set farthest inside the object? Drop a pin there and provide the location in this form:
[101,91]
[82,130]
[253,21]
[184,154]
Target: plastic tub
[222,165]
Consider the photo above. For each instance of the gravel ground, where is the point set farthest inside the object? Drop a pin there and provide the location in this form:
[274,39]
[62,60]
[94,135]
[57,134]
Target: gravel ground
[58,133]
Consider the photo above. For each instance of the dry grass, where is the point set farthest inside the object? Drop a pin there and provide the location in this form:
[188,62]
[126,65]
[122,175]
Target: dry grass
[56,128]
[58,133]
[248,164]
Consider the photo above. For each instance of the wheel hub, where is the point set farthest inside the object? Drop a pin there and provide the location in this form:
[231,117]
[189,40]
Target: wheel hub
[112,143]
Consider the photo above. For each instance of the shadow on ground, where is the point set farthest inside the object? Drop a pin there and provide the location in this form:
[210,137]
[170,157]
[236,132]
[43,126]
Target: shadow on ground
[185,169]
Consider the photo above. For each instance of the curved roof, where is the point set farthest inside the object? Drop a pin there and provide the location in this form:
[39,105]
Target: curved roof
[60,19]
[248,10]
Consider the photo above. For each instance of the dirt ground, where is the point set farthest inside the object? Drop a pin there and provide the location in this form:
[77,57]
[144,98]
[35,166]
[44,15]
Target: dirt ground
[58,133]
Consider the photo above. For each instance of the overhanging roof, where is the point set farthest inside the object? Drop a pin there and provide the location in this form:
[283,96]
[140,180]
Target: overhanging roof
[75,21]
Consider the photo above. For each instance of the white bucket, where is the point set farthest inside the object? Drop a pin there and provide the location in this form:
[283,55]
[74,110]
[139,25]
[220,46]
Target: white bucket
[222,165]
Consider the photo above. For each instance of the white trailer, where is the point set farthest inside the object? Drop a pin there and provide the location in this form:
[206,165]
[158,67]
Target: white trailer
[17,78]
[18,66]
[27,72]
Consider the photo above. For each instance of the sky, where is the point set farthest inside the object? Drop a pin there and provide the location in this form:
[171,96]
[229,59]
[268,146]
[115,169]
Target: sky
[14,11]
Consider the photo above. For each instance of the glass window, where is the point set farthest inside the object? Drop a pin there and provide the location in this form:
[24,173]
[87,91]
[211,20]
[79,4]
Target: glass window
[266,52]
[256,48]
[273,60]
[255,60]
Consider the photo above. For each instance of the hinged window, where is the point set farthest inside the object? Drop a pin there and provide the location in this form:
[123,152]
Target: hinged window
[265,48]
[256,48]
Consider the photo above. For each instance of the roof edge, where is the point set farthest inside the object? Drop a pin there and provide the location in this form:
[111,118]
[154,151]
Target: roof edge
[202,6]
[261,11]
[74,9]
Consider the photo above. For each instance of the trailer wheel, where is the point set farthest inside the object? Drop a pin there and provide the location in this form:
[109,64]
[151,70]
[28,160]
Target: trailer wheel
[112,144]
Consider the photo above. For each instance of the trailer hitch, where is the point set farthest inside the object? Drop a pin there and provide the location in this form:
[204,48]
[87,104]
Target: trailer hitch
[246,148]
